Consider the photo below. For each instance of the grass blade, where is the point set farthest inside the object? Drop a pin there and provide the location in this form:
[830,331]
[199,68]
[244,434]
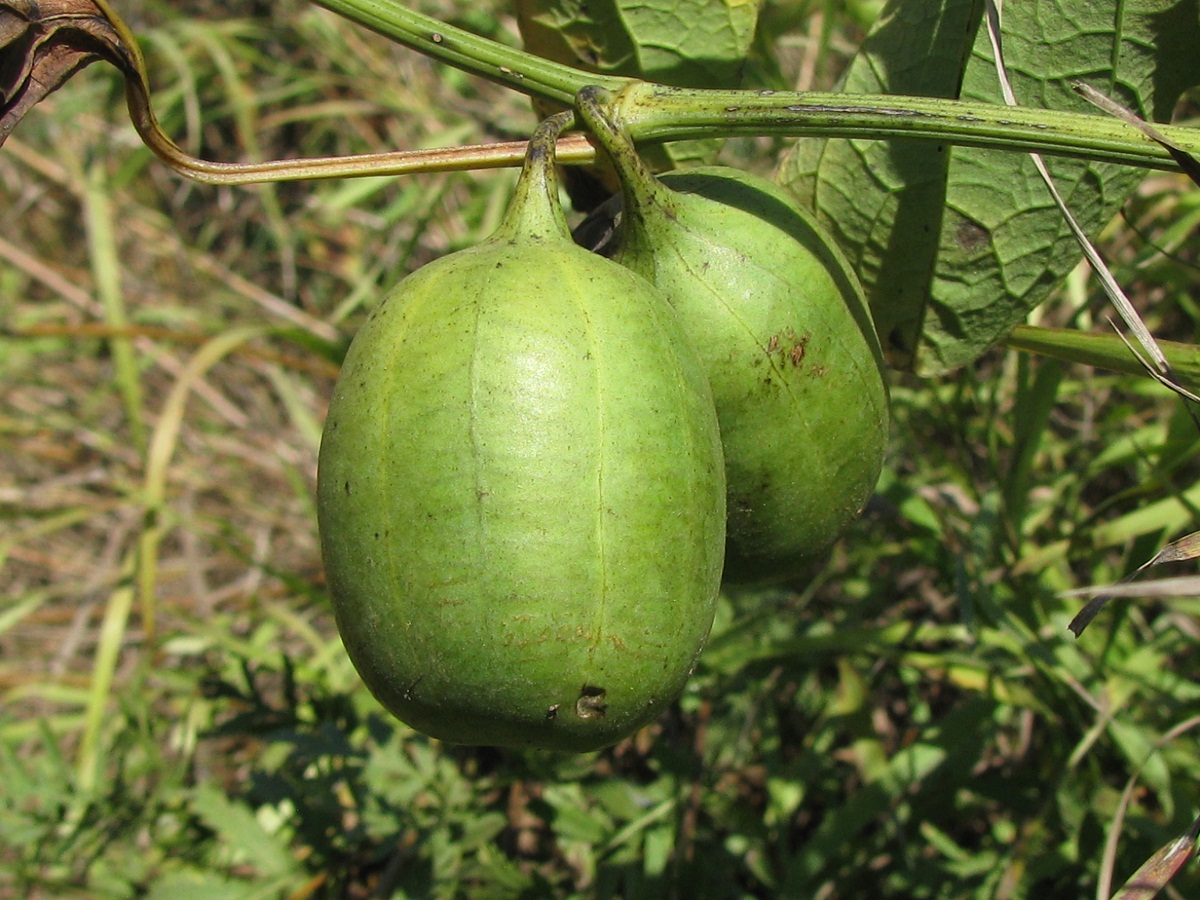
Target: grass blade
[106,269]
[89,762]
[162,446]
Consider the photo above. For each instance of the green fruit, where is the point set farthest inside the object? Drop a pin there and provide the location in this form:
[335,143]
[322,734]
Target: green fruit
[781,325]
[521,491]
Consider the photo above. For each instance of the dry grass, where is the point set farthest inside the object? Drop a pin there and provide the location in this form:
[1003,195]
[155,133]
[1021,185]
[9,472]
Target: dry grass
[191,263]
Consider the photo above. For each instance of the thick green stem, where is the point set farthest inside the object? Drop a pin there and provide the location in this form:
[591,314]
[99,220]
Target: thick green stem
[127,56]
[518,70]
[655,113]
[1105,351]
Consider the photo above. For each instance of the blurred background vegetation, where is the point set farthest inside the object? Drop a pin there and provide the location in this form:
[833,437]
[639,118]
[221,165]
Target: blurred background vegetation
[915,721]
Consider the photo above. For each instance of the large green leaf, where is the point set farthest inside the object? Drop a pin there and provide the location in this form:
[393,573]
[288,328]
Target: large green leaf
[956,245]
[686,43]
[691,43]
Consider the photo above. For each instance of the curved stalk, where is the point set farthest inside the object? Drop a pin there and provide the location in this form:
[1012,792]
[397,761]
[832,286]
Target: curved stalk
[454,45]
[573,148]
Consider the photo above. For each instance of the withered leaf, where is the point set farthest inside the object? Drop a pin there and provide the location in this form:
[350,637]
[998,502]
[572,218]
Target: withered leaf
[45,42]
[1156,872]
[1188,163]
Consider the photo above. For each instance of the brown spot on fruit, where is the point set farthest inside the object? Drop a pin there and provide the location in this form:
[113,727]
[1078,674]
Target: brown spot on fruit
[799,348]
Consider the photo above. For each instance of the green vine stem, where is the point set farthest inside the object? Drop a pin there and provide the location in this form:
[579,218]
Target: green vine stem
[460,48]
[652,112]
[1105,351]
[656,113]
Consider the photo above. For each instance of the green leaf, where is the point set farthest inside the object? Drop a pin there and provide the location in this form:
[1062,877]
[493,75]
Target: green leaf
[883,201]
[194,884]
[574,819]
[689,43]
[955,245]
[685,43]
[241,832]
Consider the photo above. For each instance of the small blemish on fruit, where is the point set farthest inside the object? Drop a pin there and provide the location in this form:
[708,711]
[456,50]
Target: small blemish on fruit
[407,693]
[346,488]
[590,704]
[551,713]
[799,348]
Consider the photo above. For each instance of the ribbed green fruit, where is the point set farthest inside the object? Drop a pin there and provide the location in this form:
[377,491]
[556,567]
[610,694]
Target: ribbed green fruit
[782,327]
[521,492]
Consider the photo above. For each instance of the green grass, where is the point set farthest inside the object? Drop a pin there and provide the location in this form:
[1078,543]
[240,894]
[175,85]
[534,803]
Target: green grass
[178,718]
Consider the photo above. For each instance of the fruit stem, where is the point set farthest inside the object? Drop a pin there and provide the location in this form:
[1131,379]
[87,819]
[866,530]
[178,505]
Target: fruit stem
[598,108]
[535,212]
[641,190]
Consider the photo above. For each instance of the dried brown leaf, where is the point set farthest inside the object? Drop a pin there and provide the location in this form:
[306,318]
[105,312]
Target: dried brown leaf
[45,42]
[1188,163]
[1159,869]
[1158,589]
[1186,547]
